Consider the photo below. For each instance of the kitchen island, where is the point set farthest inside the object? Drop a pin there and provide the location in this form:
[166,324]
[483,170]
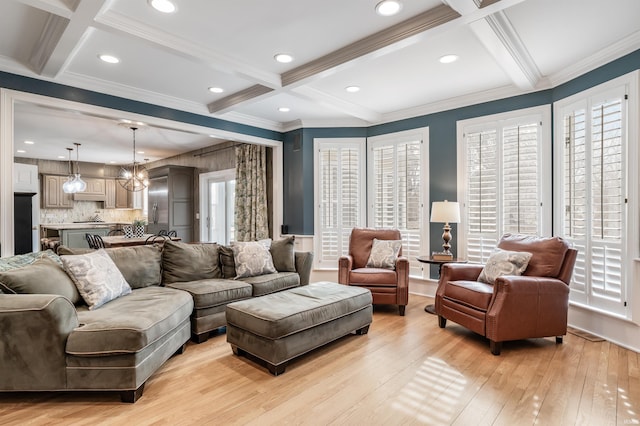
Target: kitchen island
[73,234]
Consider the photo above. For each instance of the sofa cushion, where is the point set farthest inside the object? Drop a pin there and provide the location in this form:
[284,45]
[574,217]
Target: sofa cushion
[44,276]
[97,278]
[384,253]
[283,254]
[140,265]
[271,283]
[130,323]
[374,276]
[208,293]
[189,262]
[474,294]
[227,263]
[252,258]
[504,262]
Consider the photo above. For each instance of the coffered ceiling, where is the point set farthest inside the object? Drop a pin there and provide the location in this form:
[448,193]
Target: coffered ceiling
[504,48]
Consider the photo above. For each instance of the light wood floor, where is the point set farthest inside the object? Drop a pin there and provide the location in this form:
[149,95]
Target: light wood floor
[405,371]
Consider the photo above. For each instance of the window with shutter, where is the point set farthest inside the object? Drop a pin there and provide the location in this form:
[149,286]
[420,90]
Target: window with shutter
[501,171]
[593,190]
[397,187]
[339,197]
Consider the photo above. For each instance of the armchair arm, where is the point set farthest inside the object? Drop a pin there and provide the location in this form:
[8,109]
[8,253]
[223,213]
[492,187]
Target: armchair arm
[34,329]
[345,265]
[455,272]
[304,262]
[526,306]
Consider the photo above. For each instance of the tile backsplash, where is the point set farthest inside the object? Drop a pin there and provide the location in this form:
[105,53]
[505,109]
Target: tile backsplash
[87,210]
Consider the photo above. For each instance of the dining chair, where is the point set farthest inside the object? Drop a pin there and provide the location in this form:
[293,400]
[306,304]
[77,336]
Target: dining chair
[94,241]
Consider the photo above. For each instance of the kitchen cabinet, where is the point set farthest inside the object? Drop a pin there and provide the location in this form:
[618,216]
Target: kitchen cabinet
[170,200]
[116,197]
[95,191]
[25,178]
[110,193]
[53,197]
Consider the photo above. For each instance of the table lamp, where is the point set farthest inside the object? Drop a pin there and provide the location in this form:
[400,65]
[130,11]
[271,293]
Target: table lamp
[445,212]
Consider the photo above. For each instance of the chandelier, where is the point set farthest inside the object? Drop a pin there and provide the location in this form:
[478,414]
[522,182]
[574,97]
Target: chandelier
[134,177]
[74,183]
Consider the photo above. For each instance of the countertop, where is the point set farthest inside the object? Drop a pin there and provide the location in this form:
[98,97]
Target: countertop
[86,225]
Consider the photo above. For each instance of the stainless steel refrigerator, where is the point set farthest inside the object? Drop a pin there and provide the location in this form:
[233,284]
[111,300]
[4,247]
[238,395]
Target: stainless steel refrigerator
[171,201]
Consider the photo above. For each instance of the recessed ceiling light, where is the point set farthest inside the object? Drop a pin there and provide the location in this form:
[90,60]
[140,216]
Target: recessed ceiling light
[447,59]
[284,109]
[352,89]
[216,89]
[283,58]
[388,7]
[110,59]
[61,156]
[21,151]
[110,162]
[29,142]
[125,121]
[140,152]
[164,6]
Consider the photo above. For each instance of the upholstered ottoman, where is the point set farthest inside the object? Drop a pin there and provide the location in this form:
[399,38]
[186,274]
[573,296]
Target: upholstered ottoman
[281,326]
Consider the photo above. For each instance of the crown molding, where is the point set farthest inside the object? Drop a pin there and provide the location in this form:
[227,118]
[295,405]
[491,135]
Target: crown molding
[251,120]
[336,104]
[62,8]
[608,54]
[93,84]
[341,122]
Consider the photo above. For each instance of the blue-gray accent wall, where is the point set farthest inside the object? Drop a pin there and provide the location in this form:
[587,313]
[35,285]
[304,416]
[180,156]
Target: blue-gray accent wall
[60,91]
[442,143]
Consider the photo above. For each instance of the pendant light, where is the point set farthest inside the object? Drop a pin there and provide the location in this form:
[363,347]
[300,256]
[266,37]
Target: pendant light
[68,186]
[78,184]
[134,177]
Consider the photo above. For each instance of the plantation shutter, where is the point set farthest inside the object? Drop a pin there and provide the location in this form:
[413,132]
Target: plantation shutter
[482,195]
[594,198]
[339,199]
[503,183]
[397,175]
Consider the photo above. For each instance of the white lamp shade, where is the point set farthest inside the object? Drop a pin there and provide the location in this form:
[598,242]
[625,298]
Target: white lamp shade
[445,211]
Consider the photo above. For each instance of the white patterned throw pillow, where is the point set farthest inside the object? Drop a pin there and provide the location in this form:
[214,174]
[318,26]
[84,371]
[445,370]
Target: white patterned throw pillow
[252,258]
[384,253]
[503,262]
[97,278]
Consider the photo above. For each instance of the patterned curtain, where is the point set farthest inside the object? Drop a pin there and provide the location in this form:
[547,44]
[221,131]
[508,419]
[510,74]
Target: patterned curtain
[251,216]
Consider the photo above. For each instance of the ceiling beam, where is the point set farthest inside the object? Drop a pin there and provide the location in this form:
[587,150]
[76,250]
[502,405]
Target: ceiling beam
[337,104]
[62,37]
[227,103]
[499,37]
[395,34]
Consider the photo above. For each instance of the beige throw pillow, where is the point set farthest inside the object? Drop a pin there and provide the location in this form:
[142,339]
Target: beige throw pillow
[503,262]
[252,258]
[97,278]
[384,253]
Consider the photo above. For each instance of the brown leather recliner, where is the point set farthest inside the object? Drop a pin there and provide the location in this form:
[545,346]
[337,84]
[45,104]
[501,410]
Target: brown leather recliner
[387,286]
[534,304]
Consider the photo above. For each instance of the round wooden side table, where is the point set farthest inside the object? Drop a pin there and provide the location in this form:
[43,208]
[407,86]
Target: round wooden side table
[431,308]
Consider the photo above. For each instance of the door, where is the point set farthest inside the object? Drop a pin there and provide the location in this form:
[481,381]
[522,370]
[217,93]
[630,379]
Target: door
[217,206]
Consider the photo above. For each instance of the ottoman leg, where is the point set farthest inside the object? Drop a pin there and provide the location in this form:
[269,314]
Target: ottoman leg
[363,330]
[276,369]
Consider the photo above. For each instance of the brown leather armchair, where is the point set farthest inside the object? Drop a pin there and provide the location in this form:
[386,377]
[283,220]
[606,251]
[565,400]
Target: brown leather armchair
[387,286]
[534,304]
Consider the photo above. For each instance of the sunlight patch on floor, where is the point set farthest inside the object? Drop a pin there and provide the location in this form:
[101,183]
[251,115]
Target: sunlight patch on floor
[431,396]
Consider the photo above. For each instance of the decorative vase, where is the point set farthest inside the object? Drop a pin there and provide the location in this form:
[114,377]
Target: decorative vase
[128,231]
[138,231]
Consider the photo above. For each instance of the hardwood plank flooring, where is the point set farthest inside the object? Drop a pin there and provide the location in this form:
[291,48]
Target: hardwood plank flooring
[405,371]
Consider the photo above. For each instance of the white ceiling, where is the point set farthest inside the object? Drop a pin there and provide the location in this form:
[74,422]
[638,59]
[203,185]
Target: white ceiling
[505,47]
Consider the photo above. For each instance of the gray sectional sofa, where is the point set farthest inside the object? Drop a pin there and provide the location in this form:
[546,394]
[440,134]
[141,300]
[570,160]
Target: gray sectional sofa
[53,341]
